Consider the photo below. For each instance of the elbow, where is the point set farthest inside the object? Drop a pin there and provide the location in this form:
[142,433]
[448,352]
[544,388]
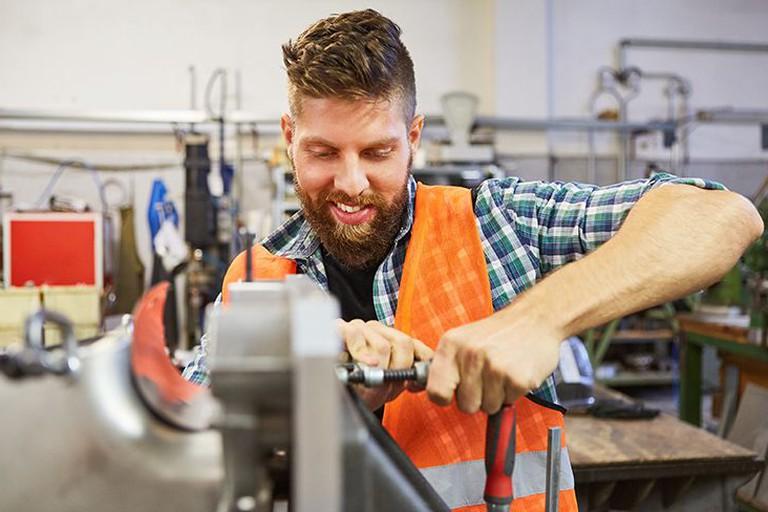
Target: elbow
[744,221]
[752,219]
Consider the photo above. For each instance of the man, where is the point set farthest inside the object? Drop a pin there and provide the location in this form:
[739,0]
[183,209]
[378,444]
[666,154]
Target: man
[447,274]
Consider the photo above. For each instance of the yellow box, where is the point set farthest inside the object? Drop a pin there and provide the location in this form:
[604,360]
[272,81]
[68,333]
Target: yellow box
[81,304]
[16,304]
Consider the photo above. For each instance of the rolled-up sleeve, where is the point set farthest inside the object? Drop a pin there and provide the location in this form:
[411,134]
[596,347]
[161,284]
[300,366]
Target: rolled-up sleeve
[561,222]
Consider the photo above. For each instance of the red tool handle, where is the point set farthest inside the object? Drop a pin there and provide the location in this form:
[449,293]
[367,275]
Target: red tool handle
[499,458]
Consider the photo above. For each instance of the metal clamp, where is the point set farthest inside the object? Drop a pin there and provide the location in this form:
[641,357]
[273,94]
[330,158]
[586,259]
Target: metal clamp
[33,359]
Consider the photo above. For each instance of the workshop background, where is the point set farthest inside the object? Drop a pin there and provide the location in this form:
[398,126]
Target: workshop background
[122,108]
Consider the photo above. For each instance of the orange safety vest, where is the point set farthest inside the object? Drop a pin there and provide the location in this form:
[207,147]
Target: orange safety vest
[444,285]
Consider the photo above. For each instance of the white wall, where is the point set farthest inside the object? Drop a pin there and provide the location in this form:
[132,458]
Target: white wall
[525,58]
[134,55]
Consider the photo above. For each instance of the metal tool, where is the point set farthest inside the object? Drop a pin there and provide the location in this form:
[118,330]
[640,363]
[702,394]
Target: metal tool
[552,496]
[370,376]
[500,459]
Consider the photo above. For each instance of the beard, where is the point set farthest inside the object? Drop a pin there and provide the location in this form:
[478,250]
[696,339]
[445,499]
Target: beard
[358,246]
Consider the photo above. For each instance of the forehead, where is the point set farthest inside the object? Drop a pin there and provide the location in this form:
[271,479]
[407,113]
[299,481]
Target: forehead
[349,121]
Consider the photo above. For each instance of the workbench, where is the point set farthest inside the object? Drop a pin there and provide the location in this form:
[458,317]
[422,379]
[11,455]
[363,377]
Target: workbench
[649,465]
[730,337]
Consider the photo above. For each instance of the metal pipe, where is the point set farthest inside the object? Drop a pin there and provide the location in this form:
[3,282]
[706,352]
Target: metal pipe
[676,44]
[549,10]
[732,116]
[552,496]
[564,124]
[200,116]
[238,193]
[109,116]
[606,77]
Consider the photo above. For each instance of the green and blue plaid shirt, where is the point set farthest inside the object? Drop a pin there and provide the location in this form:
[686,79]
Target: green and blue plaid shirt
[527,229]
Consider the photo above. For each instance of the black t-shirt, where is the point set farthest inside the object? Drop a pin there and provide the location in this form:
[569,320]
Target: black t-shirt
[352,288]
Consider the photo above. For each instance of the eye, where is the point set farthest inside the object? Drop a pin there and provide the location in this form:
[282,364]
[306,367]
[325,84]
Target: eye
[322,155]
[378,154]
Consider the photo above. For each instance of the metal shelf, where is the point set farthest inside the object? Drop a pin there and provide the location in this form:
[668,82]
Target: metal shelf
[646,378]
[641,335]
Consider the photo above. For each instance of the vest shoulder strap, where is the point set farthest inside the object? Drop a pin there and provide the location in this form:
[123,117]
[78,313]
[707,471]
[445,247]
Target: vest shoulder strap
[444,248]
[266,266]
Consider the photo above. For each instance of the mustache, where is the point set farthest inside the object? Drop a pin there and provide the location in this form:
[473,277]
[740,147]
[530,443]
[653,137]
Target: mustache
[370,199]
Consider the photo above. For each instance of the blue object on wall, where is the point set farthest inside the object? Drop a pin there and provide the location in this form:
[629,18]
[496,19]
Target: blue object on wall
[160,209]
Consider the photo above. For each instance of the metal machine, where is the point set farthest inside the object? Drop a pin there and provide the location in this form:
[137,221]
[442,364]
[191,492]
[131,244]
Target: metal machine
[111,425]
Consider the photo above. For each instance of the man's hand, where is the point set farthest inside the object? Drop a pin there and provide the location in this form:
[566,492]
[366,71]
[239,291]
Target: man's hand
[375,344]
[492,362]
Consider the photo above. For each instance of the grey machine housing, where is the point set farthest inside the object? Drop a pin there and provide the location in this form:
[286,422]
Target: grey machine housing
[276,425]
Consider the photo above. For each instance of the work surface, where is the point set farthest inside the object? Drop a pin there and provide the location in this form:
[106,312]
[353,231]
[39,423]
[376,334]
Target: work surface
[608,450]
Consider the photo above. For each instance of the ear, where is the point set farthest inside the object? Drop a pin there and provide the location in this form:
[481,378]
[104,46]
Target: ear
[414,132]
[286,125]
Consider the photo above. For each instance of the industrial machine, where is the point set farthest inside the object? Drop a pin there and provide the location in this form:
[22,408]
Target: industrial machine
[110,424]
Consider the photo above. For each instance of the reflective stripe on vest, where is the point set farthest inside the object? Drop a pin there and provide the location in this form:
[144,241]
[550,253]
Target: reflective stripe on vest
[461,484]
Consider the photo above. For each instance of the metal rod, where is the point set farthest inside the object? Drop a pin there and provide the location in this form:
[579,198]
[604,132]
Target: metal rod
[132,116]
[680,44]
[732,116]
[564,124]
[554,437]
[676,44]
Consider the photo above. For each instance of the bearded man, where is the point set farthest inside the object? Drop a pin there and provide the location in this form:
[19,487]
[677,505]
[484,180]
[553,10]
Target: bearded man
[465,278]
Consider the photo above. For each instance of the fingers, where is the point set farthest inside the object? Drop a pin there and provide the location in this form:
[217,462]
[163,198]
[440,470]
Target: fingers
[421,351]
[375,344]
[356,342]
[380,345]
[443,374]
[494,392]
[469,393]
[401,344]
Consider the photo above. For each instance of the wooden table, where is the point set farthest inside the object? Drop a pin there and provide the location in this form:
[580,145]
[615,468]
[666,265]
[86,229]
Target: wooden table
[726,336]
[649,464]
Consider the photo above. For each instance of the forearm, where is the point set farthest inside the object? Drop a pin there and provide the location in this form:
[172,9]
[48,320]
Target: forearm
[677,239]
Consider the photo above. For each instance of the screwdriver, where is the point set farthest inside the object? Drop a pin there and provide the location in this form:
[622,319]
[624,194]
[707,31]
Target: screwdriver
[500,459]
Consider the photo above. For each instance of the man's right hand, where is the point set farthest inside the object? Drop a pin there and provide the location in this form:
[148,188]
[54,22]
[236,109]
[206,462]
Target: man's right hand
[375,344]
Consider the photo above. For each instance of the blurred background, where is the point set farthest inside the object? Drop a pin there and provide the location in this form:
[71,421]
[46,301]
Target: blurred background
[149,111]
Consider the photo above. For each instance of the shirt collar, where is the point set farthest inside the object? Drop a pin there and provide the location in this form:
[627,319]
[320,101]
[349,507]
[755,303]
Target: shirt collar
[295,240]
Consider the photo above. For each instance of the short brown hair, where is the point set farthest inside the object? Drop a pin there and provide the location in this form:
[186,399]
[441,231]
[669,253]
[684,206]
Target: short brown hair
[352,56]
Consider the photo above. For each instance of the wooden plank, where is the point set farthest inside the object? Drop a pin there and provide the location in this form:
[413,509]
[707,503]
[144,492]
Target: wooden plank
[641,335]
[601,442]
[594,442]
[641,378]
[732,330]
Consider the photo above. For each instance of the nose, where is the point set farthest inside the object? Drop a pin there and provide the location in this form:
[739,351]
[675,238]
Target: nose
[350,177]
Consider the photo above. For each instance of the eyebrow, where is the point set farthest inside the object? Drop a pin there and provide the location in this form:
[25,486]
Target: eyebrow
[325,142]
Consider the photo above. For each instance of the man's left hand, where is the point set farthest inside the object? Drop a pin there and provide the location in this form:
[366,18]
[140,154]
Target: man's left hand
[492,362]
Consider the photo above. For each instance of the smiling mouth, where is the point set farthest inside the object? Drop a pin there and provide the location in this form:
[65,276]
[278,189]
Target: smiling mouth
[348,209]
[353,215]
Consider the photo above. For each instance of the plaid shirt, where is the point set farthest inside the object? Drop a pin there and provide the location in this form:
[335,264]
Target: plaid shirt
[527,229]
